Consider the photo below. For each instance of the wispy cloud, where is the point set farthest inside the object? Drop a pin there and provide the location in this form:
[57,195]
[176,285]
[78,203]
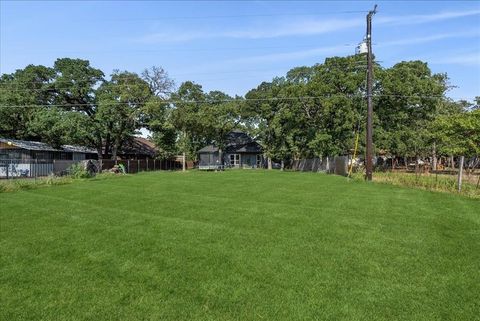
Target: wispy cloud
[465,59]
[426,18]
[431,38]
[258,31]
[293,55]
[296,27]
[174,36]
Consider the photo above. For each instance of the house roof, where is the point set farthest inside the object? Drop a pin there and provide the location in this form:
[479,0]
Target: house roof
[209,149]
[78,149]
[237,142]
[252,147]
[140,146]
[39,146]
[29,145]
[237,137]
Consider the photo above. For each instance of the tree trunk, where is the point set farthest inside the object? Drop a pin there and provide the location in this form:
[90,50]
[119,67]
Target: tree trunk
[452,162]
[108,143]
[183,162]
[416,165]
[460,173]
[115,148]
[220,158]
[99,151]
[269,163]
[282,165]
[434,157]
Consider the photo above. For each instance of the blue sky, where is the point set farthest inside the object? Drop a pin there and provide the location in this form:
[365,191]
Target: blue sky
[233,46]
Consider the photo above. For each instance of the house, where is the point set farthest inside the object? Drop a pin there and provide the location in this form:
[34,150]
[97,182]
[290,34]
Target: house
[24,150]
[138,148]
[241,151]
[22,158]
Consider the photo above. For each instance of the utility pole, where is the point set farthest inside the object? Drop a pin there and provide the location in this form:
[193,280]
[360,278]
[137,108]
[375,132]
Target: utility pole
[369,152]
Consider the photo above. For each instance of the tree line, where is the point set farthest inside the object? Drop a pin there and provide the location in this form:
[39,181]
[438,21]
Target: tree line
[312,111]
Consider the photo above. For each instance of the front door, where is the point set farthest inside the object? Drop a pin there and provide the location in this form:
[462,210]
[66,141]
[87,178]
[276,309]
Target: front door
[235,160]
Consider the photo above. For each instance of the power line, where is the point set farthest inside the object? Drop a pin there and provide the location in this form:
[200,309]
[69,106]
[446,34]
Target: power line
[353,64]
[180,49]
[207,101]
[238,16]
[359,64]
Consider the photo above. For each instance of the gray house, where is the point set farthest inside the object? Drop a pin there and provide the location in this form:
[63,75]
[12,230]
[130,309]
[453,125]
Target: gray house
[241,151]
[24,150]
[21,158]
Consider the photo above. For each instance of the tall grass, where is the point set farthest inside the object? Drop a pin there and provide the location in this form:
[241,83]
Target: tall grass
[431,182]
[12,185]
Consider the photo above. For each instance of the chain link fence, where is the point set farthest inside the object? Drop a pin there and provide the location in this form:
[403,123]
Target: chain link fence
[332,165]
[10,168]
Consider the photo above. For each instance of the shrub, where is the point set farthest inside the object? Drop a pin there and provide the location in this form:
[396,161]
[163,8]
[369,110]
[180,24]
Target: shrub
[77,170]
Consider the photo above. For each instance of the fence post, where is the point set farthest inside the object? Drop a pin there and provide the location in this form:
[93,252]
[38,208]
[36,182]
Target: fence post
[460,173]
[128,166]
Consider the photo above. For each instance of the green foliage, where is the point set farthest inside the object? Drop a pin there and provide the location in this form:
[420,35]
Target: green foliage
[311,111]
[78,171]
[189,100]
[322,121]
[158,120]
[458,134]
[25,89]
[120,108]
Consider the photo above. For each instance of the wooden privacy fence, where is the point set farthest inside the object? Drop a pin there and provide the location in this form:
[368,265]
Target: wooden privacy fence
[332,165]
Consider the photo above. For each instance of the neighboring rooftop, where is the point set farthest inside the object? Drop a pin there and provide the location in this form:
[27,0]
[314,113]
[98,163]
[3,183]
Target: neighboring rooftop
[237,142]
[39,146]
[140,146]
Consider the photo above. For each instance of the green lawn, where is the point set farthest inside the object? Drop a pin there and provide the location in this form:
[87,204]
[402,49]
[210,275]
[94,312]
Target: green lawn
[238,245]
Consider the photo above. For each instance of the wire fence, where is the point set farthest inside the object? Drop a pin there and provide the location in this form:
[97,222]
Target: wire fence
[332,165]
[12,168]
[462,176]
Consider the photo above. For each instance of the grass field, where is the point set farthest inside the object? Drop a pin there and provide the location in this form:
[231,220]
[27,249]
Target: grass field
[238,245]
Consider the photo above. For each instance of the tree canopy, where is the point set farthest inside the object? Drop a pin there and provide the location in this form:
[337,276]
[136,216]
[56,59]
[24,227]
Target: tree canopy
[310,111]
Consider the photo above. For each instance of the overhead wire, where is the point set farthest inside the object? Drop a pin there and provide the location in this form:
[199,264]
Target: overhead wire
[206,101]
[238,16]
[3,86]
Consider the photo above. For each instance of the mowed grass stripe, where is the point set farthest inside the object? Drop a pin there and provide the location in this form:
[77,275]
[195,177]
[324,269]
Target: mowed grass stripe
[239,245]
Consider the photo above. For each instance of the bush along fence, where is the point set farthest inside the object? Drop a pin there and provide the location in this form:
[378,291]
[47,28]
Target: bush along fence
[332,165]
[40,168]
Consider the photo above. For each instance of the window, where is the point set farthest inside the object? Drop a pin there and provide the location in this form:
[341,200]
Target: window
[41,155]
[259,160]
[234,159]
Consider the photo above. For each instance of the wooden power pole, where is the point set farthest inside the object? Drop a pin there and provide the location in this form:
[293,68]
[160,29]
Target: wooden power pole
[369,140]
